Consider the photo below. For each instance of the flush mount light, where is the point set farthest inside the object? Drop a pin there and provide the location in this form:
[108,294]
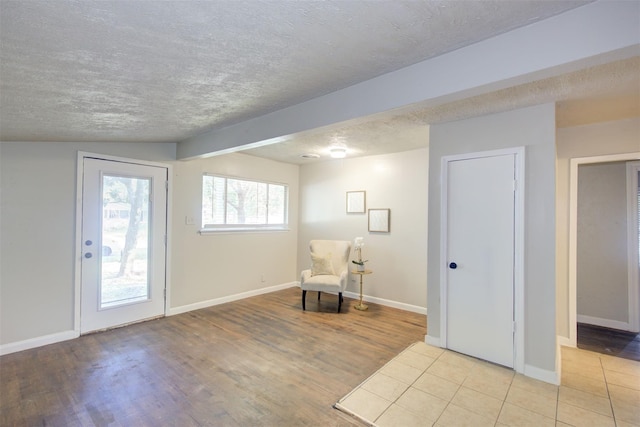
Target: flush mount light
[338,152]
[310,156]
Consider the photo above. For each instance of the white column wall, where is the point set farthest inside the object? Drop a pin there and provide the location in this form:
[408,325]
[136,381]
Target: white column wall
[533,128]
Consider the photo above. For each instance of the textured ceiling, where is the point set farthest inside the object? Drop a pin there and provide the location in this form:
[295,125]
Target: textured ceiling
[602,93]
[168,70]
[164,71]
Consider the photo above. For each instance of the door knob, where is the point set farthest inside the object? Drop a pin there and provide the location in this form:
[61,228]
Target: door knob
[453,265]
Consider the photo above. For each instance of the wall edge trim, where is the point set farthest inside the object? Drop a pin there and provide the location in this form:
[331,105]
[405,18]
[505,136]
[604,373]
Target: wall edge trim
[388,303]
[14,347]
[545,375]
[229,298]
[605,323]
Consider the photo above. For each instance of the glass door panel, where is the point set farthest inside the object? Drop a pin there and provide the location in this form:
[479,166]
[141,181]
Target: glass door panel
[125,234]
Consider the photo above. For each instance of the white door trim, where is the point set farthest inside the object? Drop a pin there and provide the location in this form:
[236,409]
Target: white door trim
[518,304]
[573,231]
[633,168]
[78,231]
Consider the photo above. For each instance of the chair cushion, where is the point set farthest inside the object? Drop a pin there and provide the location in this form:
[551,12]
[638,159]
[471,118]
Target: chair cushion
[321,265]
[323,283]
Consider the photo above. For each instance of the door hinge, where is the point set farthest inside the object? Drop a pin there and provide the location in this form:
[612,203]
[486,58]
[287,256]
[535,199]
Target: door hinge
[166,185]
[515,185]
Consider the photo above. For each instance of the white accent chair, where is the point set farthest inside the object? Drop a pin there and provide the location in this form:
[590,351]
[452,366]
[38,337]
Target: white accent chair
[329,270]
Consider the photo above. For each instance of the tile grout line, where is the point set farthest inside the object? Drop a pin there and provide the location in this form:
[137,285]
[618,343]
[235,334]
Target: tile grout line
[408,386]
[504,400]
[454,394]
[414,381]
[606,385]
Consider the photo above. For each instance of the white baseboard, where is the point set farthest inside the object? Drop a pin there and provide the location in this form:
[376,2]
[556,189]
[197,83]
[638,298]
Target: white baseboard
[529,371]
[216,301]
[14,347]
[68,335]
[606,323]
[564,341]
[434,341]
[388,303]
[547,376]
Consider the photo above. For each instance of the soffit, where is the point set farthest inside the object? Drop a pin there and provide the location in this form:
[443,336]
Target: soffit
[597,94]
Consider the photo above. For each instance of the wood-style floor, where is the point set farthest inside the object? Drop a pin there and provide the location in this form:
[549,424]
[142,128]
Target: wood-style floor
[261,361]
[609,341]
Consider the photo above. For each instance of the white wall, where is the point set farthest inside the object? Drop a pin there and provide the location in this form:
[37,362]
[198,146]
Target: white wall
[213,266]
[602,261]
[37,225]
[599,139]
[395,181]
[533,128]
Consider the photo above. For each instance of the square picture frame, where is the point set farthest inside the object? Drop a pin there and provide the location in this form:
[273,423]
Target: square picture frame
[380,220]
[356,201]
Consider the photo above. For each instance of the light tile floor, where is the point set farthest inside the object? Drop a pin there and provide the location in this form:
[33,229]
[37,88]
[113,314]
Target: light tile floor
[429,386]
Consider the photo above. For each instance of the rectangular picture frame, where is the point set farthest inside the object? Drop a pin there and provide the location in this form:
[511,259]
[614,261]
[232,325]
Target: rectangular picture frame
[380,220]
[356,201]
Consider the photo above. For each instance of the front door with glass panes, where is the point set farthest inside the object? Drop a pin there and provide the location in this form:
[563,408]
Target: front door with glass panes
[124,223]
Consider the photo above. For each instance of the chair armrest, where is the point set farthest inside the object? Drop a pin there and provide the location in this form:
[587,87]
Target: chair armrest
[344,276]
[305,275]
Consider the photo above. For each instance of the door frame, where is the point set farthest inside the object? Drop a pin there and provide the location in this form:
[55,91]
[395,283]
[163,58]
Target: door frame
[518,267]
[573,238]
[78,230]
[633,224]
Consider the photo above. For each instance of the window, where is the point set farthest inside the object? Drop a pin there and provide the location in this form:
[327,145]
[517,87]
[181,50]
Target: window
[240,204]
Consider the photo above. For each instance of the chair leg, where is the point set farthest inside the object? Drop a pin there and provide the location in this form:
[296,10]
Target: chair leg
[339,301]
[304,295]
[319,295]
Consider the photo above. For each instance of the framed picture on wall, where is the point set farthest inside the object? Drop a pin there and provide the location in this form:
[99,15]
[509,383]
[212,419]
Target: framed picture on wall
[356,201]
[379,220]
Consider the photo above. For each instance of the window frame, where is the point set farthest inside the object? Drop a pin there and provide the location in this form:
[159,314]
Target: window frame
[235,228]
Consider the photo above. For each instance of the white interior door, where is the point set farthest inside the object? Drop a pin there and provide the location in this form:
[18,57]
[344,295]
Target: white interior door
[480,257]
[124,223]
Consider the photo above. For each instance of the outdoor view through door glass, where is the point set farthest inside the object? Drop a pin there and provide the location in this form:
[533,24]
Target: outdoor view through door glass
[125,235]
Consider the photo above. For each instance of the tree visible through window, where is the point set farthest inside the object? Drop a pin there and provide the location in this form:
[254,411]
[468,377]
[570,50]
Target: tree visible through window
[240,204]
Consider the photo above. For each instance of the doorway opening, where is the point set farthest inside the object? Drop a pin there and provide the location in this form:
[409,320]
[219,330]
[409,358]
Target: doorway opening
[604,305]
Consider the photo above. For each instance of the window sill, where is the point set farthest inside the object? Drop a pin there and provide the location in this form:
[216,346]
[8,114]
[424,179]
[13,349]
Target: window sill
[211,231]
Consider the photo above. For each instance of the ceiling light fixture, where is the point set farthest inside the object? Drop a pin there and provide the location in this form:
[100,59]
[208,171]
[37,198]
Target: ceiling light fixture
[338,152]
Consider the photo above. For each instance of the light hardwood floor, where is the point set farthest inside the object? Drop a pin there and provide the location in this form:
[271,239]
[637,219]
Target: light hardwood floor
[259,361]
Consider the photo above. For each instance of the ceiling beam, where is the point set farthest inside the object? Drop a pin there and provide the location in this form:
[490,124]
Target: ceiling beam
[594,34]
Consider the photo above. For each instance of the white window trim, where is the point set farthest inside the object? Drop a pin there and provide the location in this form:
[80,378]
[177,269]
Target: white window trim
[246,228]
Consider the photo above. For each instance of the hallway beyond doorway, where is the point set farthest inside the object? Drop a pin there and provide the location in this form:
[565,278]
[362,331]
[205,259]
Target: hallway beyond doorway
[609,341]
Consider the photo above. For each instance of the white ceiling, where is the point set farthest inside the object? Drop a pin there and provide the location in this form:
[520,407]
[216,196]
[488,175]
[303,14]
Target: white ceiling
[165,71]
